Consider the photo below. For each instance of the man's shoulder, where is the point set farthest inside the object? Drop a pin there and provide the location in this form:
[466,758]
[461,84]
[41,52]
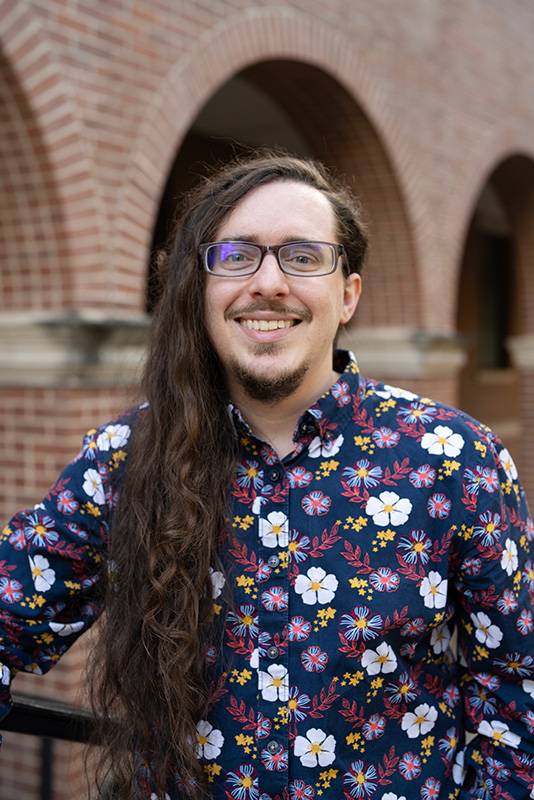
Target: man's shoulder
[421,417]
[114,435]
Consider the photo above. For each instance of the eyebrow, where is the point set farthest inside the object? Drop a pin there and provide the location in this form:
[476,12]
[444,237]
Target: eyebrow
[244,237]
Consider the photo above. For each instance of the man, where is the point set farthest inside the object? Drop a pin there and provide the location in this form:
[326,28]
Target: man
[291,546]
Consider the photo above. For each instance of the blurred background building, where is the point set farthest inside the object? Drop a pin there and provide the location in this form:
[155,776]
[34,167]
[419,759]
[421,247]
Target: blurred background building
[109,110]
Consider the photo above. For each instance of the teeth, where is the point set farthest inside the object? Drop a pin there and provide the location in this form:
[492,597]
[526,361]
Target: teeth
[267,324]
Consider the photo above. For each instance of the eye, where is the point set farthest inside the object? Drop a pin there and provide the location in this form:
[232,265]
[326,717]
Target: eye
[302,258]
[232,255]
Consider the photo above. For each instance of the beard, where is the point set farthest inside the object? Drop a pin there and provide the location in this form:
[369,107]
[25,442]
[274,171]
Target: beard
[268,389]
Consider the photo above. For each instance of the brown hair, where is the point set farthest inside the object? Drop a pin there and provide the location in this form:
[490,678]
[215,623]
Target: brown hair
[148,679]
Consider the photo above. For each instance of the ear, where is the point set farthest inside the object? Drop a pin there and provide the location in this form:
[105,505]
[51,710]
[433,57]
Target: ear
[351,294]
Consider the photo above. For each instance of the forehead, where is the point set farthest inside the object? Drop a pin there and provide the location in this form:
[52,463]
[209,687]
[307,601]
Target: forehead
[281,211]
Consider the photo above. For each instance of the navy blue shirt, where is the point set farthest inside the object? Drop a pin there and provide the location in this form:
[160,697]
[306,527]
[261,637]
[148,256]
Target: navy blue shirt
[383,580]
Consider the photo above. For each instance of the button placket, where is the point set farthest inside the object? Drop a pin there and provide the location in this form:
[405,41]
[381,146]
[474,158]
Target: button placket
[273,662]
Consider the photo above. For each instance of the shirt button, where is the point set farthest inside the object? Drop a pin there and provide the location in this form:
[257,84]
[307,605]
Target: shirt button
[272,652]
[273,747]
[275,475]
[273,561]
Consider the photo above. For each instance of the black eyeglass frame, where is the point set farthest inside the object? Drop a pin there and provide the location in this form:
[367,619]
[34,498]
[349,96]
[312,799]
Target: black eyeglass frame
[338,250]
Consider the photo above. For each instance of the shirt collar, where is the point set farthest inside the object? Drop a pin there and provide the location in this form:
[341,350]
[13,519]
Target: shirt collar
[329,412]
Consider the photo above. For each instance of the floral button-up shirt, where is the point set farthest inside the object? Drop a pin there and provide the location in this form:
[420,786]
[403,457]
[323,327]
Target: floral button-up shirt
[383,579]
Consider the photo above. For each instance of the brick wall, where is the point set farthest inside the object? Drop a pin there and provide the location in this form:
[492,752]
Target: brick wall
[416,103]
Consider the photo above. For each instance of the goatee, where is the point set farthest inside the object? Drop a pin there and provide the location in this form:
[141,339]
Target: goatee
[265,388]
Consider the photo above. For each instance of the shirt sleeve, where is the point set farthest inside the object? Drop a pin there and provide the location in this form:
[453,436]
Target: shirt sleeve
[495,592]
[51,559]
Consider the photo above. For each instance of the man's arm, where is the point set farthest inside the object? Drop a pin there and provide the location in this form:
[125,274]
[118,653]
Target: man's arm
[51,559]
[495,588]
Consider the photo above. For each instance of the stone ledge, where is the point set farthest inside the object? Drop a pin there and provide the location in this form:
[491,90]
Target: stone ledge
[521,349]
[397,352]
[97,349]
[77,349]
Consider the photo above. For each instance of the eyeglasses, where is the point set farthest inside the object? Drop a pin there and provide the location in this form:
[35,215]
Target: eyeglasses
[240,259]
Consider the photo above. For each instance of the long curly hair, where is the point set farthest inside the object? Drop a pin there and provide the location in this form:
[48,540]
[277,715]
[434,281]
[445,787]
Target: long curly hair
[149,684]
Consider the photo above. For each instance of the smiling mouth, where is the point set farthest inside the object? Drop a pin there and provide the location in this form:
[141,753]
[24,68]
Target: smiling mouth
[267,324]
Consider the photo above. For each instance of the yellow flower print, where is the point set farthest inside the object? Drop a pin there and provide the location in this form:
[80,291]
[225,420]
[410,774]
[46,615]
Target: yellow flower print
[481,448]
[355,524]
[212,770]
[326,777]
[242,523]
[326,468]
[322,617]
[93,510]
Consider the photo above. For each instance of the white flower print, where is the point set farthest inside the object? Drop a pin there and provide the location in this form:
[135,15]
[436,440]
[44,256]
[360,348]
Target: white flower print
[509,557]
[113,436]
[217,582]
[388,509]
[458,769]
[382,659]
[486,632]
[274,530]
[499,732]
[4,675]
[420,721]
[43,575]
[315,748]
[507,463]
[66,628]
[394,391]
[254,660]
[443,442]
[274,684]
[440,638]
[210,740]
[528,687]
[92,485]
[325,448]
[433,590]
[392,796]
[316,586]
[257,504]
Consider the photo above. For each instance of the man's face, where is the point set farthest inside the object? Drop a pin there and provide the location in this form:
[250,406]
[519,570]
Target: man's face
[311,307]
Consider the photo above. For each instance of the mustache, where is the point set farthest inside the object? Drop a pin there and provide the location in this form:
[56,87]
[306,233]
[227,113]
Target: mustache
[303,314]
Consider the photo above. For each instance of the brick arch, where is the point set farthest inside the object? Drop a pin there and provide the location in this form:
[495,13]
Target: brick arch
[502,397]
[513,179]
[51,227]
[511,171]
[511,174]
[493,148]
[321,78]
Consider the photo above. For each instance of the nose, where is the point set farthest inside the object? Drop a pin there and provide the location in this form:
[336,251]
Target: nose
[269,280]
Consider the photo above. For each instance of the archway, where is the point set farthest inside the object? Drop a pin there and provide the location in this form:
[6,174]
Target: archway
[496,304]
[33,270]
[303,108]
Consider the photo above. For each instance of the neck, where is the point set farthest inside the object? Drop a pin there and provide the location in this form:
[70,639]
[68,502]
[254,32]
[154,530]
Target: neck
[275,423]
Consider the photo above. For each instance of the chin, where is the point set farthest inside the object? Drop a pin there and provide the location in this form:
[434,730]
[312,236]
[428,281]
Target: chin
[269,385]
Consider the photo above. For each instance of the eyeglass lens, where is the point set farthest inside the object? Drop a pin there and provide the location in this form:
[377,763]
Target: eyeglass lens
[296,258]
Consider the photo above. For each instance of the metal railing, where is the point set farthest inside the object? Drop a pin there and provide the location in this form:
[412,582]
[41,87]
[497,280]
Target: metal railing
[49,720]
